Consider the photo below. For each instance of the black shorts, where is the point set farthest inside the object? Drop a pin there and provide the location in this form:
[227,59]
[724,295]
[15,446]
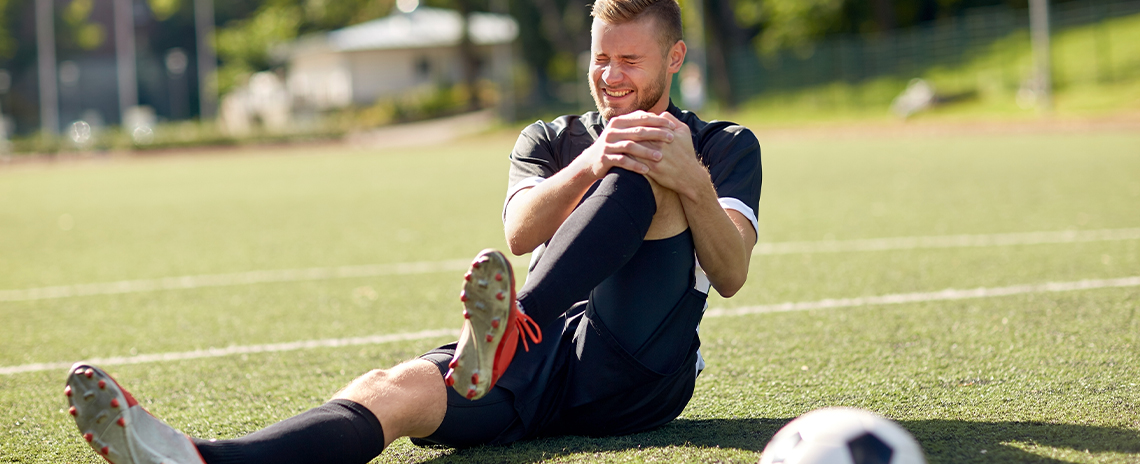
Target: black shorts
[578,381]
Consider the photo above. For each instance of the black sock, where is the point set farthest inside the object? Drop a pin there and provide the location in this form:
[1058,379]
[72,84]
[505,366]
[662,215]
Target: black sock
[596,240]
[340,432]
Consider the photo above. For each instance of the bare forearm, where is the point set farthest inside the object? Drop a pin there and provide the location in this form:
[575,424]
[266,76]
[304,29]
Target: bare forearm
[723,247]
[534,214]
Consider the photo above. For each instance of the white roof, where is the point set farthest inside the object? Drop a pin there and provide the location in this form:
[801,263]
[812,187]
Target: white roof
[423,27]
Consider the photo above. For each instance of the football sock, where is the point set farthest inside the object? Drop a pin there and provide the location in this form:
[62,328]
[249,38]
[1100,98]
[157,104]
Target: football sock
[337,432]
[596,240]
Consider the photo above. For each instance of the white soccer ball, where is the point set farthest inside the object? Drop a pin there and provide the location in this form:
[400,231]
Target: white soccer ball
[842,436]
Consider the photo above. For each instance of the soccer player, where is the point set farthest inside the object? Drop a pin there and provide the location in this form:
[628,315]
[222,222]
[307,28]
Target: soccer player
[632,212]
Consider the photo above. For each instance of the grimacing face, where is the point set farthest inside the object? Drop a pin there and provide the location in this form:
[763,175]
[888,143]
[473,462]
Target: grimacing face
[628,69]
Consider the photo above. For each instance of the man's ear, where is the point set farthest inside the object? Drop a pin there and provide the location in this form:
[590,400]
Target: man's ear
[677,56]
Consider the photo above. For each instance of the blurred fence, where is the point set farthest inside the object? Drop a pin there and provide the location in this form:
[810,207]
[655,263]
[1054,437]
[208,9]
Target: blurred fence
[985,47]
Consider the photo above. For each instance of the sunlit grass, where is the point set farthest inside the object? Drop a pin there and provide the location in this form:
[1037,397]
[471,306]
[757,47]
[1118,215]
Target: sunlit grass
[1036,377]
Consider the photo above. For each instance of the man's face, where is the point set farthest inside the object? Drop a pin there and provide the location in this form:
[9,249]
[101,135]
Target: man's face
[628,70]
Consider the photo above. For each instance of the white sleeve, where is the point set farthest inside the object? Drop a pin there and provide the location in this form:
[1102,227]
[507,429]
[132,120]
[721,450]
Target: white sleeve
[520,186]
[740,207]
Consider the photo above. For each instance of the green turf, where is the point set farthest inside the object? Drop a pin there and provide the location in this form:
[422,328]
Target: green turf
[1024,378]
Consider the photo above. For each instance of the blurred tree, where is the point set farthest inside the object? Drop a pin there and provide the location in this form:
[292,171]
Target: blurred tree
[164,9]
[725,37]
[81,31]
[243,45]
[470,61]
[252,27]
[791,24]
[8,43]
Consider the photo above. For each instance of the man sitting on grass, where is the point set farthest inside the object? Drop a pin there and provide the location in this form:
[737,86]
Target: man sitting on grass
[618,205]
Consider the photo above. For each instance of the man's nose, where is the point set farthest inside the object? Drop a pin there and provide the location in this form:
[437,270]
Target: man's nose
[612,74]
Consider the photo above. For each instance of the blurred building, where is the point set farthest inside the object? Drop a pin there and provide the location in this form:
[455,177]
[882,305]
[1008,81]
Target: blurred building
[394,55]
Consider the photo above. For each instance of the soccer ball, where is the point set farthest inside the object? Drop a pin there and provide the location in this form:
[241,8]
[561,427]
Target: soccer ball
[842,436]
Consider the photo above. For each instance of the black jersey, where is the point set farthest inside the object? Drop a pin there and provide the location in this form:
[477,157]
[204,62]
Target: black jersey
[729,151]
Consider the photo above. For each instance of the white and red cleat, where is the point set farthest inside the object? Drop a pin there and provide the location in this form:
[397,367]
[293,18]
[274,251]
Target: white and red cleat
[117,427]
[492,326]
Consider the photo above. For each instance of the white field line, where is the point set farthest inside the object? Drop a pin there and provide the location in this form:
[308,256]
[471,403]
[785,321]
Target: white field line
[238,278]
[377,270]
[943,295]
[232,350]
[898,298]
[946,241]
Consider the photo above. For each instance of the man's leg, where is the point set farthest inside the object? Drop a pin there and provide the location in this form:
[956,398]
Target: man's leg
[411,397]
[406,400]
[637,302]
[597,239]
[409,400]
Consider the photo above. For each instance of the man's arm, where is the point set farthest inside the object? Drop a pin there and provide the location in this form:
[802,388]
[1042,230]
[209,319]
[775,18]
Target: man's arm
[723,238]
[630,141]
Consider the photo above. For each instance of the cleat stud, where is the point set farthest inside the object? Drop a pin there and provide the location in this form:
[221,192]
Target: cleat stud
[471,393]
[450,378]
[475,265]
[88,436]
[499,276]
[114,402]
[475,378]
[89,372]
[490,338]
[122,422]
[67,391]
[467,276]
[453,364]
[500,296]
[102,384]
[495,322]
[463,297]
[105,450]
[466,315]
[73,411]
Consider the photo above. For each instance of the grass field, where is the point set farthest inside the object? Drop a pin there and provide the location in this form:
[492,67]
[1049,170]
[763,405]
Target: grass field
[1032,376]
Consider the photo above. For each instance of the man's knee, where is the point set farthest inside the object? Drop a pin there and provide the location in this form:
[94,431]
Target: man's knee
[669,220]
[407,377]
[639,192]
[409,399]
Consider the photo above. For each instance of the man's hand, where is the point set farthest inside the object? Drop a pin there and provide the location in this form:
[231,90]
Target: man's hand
[630,141]
[678,168]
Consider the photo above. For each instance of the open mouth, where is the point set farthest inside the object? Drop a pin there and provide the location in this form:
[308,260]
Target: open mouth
[616,93]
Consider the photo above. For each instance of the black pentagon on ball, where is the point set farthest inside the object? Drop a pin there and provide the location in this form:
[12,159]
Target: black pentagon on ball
[869,449]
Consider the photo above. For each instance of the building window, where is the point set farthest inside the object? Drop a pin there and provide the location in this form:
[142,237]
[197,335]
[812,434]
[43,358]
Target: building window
[423,68]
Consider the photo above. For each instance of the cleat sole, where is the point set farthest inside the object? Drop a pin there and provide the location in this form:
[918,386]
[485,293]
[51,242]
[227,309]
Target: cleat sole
[135,437]
[485,307]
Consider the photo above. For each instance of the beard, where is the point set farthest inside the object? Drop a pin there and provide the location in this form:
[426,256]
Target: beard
[645,98]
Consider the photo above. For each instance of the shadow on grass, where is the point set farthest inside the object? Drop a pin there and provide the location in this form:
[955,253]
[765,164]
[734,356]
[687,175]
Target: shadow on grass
[945,441]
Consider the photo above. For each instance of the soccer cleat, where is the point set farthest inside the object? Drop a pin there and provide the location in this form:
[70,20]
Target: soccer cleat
[117,427]
[486,343]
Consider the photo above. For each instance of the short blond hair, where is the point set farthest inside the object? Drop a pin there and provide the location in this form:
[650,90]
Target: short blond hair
[666,12]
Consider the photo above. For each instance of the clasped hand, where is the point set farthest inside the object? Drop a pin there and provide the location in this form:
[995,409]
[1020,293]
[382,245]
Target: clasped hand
[658,146]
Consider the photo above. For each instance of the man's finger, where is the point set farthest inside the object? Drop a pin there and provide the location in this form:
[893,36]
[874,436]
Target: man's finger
[641,118]
[641,134]
[628,163]
[672,119]
[635,149]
